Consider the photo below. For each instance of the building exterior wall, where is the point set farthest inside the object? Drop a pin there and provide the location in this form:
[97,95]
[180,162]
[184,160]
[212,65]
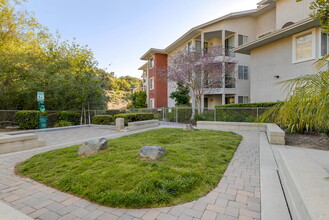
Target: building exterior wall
[160,91]
[291,11]
[266,22]
[275,59]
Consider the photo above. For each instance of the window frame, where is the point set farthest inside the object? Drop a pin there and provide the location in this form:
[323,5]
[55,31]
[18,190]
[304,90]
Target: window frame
[151,61]
[243,74]
[320,42]
[152,104]
[152,83]
[294,46]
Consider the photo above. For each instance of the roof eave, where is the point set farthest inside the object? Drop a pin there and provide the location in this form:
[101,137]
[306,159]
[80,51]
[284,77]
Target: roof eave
[150,53]
[277,35]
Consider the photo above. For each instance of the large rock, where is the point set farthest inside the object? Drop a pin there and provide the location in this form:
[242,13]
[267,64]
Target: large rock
[91,147]
[153,152]
[189,127]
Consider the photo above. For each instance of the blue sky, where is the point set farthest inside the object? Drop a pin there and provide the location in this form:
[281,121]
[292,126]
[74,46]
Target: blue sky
[121,31]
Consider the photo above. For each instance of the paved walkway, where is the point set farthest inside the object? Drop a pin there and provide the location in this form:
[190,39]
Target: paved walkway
[237,196]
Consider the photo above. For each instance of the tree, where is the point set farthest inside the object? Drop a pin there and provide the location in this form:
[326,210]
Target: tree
[33,60]
[181,95]
[200,72]
[139,99]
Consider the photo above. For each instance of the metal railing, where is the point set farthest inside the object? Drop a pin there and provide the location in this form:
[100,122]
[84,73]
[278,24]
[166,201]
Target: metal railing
[173,114]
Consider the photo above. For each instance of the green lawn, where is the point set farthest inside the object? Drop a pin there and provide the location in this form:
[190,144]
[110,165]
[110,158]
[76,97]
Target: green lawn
[118,177]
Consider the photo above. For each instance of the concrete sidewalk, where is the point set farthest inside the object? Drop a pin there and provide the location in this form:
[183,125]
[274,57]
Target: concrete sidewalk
[237,196]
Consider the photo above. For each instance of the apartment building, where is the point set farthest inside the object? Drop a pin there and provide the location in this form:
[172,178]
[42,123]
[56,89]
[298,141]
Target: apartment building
[268,44]
[291,44]
[154,81]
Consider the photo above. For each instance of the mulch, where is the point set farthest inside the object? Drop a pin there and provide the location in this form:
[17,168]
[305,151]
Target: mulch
[310,140]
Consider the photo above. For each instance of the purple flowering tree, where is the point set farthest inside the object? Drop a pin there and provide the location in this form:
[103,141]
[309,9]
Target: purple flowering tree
[201,72]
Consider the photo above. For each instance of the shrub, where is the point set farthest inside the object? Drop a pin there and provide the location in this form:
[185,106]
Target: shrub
[72,117]
[184,114]
[250,105]
[115,112]
[27,119]
[102,119]
[63,124]
[131,117]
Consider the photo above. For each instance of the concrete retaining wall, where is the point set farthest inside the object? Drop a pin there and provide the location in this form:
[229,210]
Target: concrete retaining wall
[143,124]
[274,133]
[19,142]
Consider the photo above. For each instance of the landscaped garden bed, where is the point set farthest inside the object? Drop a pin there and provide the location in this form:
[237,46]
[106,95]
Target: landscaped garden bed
[193,165]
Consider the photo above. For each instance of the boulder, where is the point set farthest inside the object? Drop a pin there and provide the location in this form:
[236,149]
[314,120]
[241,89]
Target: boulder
[91,147]
[153,152]
[189,127]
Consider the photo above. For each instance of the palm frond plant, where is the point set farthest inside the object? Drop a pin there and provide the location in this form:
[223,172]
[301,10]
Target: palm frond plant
[307,108]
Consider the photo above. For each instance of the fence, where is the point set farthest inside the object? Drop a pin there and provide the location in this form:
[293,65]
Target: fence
[175,114]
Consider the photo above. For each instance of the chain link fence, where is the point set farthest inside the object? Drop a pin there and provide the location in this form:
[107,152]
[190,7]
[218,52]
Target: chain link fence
[174,114]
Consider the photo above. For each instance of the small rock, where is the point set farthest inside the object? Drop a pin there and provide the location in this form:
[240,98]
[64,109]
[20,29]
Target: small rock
[153,152]
[189,127]
[91,147]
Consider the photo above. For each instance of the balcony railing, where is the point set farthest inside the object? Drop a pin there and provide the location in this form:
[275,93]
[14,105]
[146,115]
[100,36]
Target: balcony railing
[228,52]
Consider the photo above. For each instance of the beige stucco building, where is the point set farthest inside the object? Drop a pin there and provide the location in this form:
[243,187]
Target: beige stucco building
[274,42]
[293,42]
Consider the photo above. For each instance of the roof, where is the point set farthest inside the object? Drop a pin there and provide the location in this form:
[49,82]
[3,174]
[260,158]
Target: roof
[263,7]
[150,52]
[143,67]
[277,35]
[197,30]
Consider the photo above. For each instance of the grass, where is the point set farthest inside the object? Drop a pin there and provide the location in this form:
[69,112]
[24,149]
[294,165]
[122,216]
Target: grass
[118,177]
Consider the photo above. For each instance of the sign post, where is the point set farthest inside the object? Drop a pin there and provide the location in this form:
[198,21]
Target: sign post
[42,108]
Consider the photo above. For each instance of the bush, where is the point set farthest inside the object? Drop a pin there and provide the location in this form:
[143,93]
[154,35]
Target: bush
[115,112]
[131,117]
[72,117]
[102,119]
[250,105]
[63,124]
[184,114]
[27,119]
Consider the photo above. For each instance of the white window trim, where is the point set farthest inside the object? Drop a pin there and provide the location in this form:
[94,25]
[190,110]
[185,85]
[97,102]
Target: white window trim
[152,58]
[314,39]
[320,40]
[152,83]
[152,101]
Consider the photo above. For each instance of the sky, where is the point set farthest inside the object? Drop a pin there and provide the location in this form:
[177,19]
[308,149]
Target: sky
[119,32]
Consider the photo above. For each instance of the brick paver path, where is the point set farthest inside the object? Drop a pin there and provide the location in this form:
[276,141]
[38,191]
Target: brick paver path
[237,196]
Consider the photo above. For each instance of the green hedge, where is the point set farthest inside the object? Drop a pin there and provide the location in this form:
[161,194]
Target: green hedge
[27,119]
[184,114]
[72,117]
[247,105]
[63,124]
[131,117]
[115,112]
[102,119]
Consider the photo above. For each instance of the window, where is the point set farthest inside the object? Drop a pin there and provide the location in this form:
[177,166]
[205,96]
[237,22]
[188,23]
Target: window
[324,44]
[242,39]
[243,72]
[243,99]
[303,46]
[198,46]
[152,83]
[151,103]
[151,63]
[190,47]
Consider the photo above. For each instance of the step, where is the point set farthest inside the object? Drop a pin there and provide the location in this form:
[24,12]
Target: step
[273,202]
[304,183]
